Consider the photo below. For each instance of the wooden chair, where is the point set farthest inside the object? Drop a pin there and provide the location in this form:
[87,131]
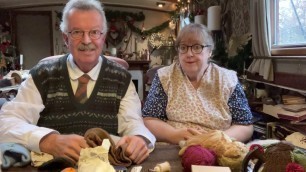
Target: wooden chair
[151,73]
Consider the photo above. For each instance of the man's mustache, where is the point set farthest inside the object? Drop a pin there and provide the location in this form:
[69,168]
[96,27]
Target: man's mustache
[86,47]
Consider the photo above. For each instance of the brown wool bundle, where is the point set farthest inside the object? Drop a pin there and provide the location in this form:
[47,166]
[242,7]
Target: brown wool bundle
[280,156]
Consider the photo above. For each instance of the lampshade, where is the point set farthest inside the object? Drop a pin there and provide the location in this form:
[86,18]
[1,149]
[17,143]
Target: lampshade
[214,18]
[200,19]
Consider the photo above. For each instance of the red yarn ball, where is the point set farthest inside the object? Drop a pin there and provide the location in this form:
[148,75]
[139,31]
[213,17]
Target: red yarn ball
[197,155]
[294,167]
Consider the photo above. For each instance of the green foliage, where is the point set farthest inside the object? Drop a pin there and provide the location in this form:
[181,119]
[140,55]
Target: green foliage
[219,54]
[242,59]
[236,63]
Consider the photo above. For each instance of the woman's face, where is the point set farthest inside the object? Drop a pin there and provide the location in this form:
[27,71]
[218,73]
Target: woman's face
[194,64]
[86,21]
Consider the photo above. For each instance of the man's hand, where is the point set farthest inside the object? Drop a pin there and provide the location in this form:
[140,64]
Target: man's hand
[135,148]
[67,146]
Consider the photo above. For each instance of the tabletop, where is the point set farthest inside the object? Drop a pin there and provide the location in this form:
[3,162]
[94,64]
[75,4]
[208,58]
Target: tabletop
[161,154]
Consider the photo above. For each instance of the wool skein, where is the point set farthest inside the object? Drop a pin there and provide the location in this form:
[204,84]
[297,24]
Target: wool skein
[197,155]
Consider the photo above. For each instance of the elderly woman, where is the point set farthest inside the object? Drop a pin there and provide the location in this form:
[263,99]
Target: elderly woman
[193,95]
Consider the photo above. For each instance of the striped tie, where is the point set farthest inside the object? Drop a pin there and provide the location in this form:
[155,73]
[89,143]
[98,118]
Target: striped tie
[81,92]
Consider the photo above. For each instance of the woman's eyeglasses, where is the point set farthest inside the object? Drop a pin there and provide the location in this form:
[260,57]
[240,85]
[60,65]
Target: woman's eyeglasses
[196,48]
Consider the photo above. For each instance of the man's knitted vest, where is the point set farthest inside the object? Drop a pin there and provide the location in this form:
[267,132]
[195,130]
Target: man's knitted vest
[63,113]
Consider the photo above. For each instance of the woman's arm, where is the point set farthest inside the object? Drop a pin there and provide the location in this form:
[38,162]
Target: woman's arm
[241,133]
[166,133]
[242,127]
[155,116]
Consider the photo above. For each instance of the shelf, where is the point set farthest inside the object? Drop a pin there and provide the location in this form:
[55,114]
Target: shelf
[289,81]
[280,86]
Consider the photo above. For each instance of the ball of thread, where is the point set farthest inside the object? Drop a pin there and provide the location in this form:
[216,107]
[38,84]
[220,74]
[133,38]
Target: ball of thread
[163,167]
[197,155]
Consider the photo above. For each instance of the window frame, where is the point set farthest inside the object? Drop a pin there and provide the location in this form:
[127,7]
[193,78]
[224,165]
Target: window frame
[292,50]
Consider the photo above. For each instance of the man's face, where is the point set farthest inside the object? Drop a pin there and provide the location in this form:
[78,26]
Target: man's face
[86,49]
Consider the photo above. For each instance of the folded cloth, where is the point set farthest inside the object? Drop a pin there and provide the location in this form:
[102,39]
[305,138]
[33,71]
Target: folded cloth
[94,137]
[13,154]
[95,159]
[38,158]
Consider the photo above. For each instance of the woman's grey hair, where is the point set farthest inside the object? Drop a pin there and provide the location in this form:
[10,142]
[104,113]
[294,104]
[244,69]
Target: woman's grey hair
[200,30]
[82,5]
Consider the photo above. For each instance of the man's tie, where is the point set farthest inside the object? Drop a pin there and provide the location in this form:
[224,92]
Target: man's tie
[81,92]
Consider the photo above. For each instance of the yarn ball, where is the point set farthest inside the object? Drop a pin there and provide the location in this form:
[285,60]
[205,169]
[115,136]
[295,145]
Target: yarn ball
[294,167]
[197,155]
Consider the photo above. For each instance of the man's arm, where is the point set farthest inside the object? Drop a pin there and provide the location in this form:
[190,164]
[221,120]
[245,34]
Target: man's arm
[131,127]
[129,117]
[18,118]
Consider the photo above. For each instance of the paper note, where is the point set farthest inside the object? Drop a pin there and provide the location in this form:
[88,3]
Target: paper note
[200,168]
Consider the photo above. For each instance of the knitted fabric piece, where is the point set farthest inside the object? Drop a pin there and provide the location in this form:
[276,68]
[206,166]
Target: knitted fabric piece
[277,157]
[94,137]
[14,155]
[63,113]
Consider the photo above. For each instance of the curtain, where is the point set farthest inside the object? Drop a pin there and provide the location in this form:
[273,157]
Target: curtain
[261,38]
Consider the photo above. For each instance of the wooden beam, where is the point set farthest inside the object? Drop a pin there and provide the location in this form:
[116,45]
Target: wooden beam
[173,1]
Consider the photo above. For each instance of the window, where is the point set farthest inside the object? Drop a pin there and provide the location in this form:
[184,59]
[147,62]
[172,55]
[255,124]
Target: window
[288,21]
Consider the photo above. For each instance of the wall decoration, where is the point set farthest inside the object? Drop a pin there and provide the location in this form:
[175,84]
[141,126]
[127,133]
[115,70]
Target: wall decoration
[8,52]
[130,19]
[156,40]
[58,20]
[116,32]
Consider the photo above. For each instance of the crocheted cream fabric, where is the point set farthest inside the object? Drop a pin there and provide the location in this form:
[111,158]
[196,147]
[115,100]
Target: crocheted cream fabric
[203,108]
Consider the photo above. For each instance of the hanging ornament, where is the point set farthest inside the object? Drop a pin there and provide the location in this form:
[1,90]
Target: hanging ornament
[143,28]
[143,35]
[172,25]
[116,32]
[156,40]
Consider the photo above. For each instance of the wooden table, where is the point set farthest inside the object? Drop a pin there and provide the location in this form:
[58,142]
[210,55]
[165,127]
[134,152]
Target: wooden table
[161,153]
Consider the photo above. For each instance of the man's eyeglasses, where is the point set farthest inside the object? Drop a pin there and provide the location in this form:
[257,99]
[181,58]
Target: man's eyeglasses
[78,34]
[196,48]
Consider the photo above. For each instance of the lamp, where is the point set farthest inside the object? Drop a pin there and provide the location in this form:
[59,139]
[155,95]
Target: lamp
[214,18]
[160,4]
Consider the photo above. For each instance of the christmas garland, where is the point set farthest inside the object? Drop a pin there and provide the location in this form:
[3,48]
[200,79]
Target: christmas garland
[129,18]
[150,31]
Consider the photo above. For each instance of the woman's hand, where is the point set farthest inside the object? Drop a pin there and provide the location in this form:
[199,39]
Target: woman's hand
[67,146]
[135,148]
[184,134]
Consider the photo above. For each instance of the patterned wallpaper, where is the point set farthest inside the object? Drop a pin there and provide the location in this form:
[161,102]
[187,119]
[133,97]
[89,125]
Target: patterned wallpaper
[235,15]
[240,16]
